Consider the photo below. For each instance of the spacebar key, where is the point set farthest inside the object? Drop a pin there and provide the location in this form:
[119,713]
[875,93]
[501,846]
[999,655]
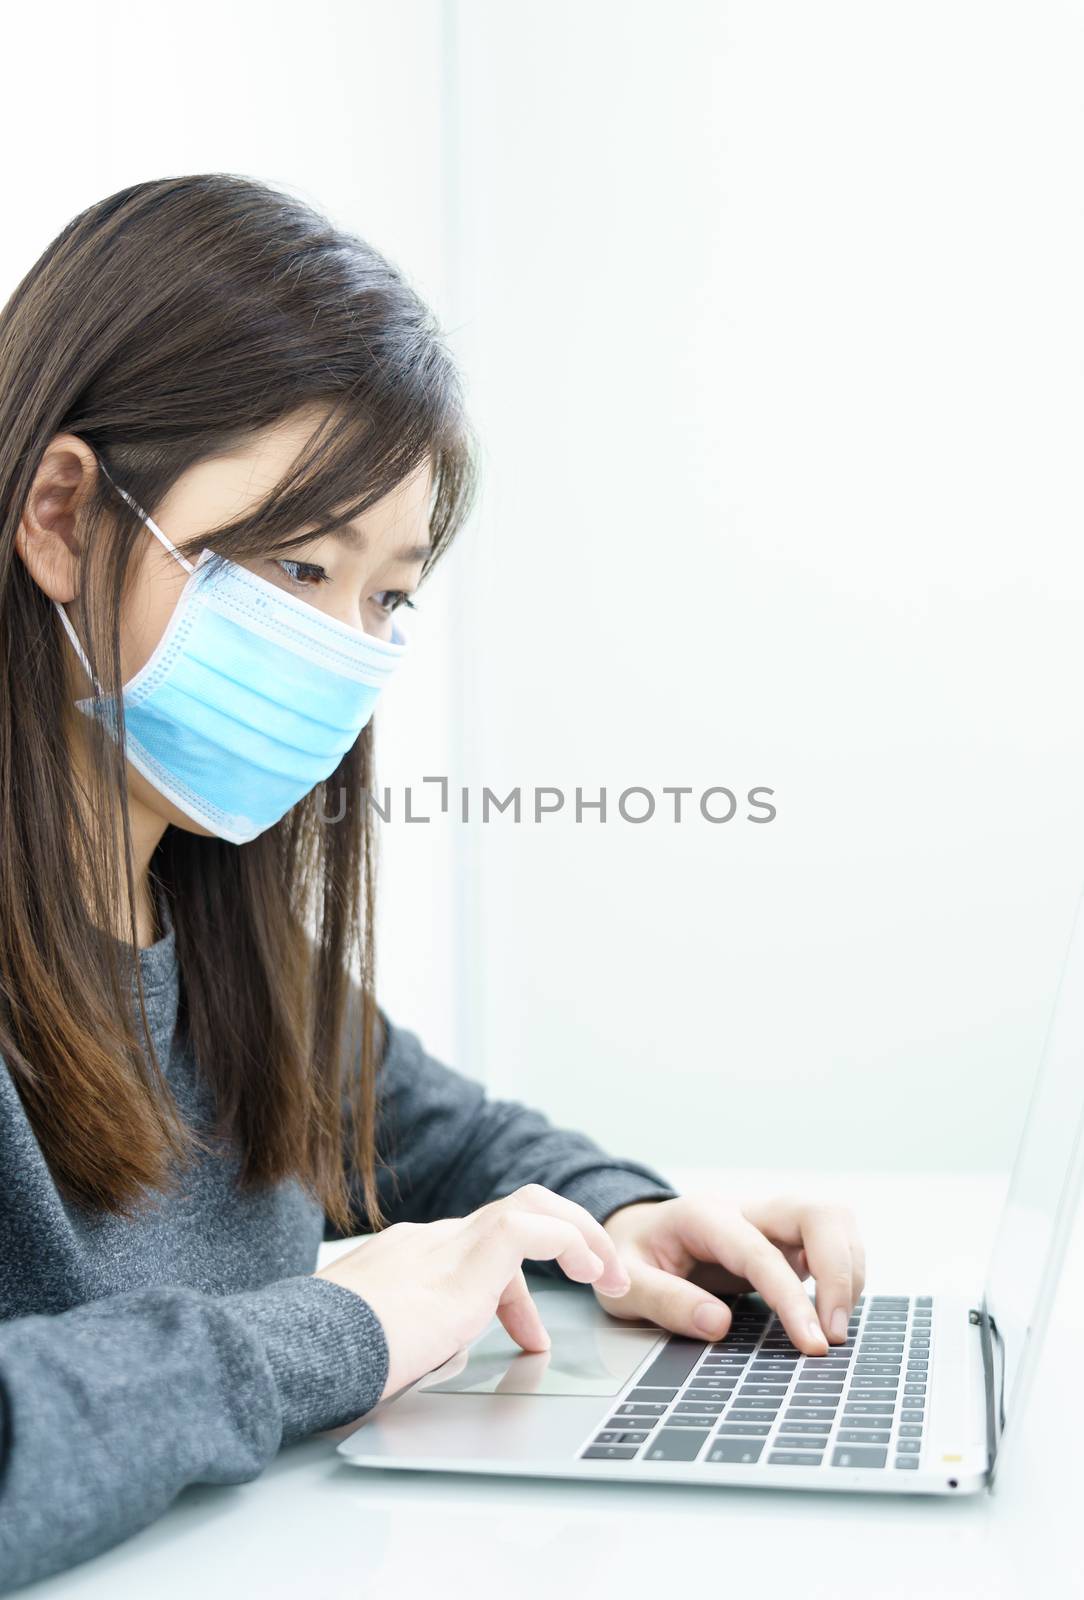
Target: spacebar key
[674,1363]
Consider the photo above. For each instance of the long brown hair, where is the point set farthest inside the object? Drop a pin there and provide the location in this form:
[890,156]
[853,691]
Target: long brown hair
[164,325]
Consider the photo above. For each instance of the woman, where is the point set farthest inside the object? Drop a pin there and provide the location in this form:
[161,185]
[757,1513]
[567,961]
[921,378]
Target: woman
[232,447]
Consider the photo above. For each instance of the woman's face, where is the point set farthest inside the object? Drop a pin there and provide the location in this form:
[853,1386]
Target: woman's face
[358,575]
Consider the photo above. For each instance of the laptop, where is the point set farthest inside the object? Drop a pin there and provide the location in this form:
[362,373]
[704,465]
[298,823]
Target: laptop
[920,1400]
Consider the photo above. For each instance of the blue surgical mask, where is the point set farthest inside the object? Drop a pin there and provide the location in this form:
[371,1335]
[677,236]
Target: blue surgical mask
[251,697]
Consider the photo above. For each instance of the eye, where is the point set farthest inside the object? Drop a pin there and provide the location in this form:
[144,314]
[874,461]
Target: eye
[303,574]
[392,599]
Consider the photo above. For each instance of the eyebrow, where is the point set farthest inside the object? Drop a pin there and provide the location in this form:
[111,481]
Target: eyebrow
[355,539]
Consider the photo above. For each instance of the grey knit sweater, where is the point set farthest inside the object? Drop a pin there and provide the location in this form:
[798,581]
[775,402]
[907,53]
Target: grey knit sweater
[185,1347]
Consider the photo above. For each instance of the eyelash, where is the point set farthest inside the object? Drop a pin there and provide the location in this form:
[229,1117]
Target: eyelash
[293,570]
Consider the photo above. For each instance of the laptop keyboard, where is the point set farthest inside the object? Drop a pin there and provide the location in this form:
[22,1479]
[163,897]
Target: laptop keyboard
[754,1398]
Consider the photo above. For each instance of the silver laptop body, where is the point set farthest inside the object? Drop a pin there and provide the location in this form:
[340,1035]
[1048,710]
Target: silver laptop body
[921,1400]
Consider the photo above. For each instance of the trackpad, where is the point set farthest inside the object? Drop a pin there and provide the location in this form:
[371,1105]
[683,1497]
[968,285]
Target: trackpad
[597,1360]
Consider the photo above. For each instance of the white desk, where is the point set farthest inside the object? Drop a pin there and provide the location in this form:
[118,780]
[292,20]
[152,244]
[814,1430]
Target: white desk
[312,1525]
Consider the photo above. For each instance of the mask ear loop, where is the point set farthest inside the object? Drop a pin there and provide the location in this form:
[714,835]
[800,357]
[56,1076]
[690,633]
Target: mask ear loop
[159,535]
[151,524]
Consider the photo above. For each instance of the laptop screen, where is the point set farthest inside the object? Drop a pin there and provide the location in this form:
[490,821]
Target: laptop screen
[1034,1227]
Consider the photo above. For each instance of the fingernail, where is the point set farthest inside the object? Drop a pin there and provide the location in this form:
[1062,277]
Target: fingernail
[816,1332]
[839,1323]
[622,1286]
[710,1319]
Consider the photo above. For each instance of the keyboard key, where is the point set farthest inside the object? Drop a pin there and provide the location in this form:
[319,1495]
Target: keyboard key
[863,1436]
[820,1405]
[909,1447]
[757,1402]
[746,1430]
[868,1408]
[856,1455]
[748,1389]
[745,1416]
[610,1452]
[910,1415]
[675,1444]
[674,1362]
[664,1396]
[823,1429]
[795,1458]
[620,1437]
[702,1391]
[708,1408]
[804,1388]
[719,1385]
[913,1389]
[908,1463]
[924,1300]
[785,1441]
[691,1422]
[736,1450]
[639,1409]
[908,1430]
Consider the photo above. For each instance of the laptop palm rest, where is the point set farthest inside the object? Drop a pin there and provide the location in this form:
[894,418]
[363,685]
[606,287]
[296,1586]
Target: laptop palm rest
[484,1402]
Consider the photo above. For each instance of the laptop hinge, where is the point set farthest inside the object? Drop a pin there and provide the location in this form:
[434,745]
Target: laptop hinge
[993,1366]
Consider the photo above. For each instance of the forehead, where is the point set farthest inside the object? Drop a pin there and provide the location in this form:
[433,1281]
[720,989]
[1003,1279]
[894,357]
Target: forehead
[398,523]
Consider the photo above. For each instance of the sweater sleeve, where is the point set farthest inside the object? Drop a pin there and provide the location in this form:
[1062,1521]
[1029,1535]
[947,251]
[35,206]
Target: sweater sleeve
[108,1410]
[449,1148]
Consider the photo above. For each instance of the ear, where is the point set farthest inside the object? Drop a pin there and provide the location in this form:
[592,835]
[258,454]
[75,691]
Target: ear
[48,534]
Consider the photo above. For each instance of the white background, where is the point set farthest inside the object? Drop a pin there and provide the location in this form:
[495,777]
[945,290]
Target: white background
[771,317]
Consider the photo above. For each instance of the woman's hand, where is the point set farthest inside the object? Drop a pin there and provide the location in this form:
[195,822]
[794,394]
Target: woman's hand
[682,1253]
[435,1286]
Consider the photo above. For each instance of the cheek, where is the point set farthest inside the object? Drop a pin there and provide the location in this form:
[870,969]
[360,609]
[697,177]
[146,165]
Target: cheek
[149,601]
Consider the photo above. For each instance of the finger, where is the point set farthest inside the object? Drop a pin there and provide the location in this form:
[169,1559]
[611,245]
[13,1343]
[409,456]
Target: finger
[536,1197]
[741,1246]
[677,1304]
[828,1247]
[504,1237]
[858,1260]
[795,1257]
[520,1316]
